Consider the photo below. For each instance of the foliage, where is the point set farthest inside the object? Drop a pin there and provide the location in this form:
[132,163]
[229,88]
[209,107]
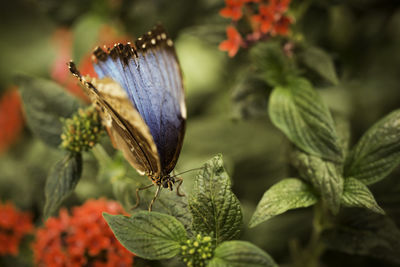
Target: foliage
[312,136]
[156,236]
[62,179]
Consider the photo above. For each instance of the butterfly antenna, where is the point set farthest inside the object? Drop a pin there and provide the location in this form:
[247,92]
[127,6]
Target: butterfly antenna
[186,172]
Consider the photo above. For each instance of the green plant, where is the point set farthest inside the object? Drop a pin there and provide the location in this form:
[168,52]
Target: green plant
[331,176]
[204,237]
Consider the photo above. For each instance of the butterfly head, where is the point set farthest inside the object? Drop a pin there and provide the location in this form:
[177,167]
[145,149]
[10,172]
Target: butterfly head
[166,181]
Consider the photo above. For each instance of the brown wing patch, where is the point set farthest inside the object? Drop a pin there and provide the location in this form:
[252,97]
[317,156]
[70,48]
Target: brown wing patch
[124,124]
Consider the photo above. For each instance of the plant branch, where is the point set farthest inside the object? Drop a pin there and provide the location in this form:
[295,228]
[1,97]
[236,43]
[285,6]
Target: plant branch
[310,256]
[101,155]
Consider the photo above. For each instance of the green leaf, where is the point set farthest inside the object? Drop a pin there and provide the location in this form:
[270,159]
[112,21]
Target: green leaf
[213,205]
[274,65]
[240,254]
[45,102]
[361,232]
[61,181]
[249,95]
[290,193]
[168,202]
[378,151]
[298,111]
[320,62]
[150,235]
[325,176]
[124,181]
[357,194]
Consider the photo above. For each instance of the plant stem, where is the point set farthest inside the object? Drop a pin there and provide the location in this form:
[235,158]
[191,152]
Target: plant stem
[310,256]
[101,155]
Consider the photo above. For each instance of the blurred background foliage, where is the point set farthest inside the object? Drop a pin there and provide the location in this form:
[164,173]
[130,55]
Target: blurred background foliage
[226,101]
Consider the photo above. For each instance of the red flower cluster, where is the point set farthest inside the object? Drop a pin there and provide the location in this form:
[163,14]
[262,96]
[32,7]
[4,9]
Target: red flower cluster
[81,239]
[14,225]
[11,118]
[265,18]
[62,40]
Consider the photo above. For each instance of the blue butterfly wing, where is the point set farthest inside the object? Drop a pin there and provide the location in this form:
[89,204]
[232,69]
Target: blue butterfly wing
[150,74]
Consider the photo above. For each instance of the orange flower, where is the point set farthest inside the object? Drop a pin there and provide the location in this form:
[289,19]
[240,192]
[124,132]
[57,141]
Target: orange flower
[271,19]
[233,43]
[14,225]
[11,119]
[81,239]
[281,27]
[280,6]
[233,9]
[265,19]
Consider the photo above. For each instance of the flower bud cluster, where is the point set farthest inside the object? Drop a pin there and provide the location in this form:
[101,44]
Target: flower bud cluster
[82,131]
[197,251]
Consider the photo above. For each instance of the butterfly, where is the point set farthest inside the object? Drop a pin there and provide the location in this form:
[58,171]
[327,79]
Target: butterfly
[140,97]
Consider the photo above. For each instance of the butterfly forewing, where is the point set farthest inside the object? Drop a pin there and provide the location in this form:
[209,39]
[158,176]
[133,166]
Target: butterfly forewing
[124,124]
[150,74]
[141,98]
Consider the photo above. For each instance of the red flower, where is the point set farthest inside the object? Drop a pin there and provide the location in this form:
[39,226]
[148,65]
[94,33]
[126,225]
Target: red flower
[233,43]
[271,17]
[11,119]
[14,225]
[281,27]
[280,6]
[233,9]
[265,19]
[81,239]
[269,20]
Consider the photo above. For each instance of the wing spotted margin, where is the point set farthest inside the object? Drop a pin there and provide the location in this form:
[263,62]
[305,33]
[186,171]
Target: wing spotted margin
[124,124]
[149,73]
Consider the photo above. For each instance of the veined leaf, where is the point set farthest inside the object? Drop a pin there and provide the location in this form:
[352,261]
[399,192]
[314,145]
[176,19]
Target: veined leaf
[45,102]
[125,181]
[290,193]
[275,67]
[240,254]
[150,235]
[325,176]
[213,205]
[298,111]
[62,180]
[361,232]
[378,151]
[321,62]
[357,194]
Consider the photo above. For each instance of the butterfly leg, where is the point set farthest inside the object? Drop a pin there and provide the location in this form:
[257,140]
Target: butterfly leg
[137,195]
[155,197]
[180,181]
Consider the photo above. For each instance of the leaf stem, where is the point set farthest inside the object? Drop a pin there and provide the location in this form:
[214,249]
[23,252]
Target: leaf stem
[310,255]
[101,155]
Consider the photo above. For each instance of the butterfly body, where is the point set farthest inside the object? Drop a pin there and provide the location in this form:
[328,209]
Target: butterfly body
[139,94]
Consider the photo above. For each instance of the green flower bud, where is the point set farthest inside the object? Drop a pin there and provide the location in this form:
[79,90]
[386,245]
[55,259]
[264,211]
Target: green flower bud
[197,251]
[82,131]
